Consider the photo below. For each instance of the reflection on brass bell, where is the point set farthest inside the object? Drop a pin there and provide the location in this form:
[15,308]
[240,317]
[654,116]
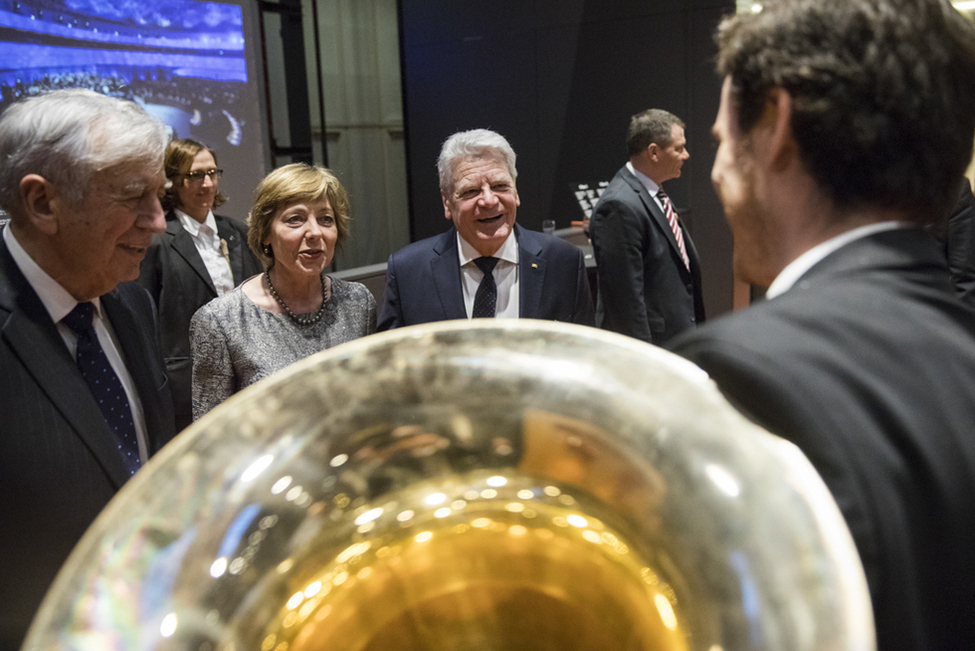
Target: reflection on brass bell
[496,484]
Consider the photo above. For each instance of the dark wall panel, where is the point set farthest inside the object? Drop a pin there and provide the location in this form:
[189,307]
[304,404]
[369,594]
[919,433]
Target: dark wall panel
[441,21]
[706,221]
[610,78]
[560,79]
[467,84]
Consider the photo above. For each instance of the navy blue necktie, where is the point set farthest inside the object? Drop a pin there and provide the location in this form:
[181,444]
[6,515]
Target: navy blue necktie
[104,384]
[486,298]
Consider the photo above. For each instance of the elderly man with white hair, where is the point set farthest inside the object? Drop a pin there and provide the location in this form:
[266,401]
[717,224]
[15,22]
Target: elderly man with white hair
[85,398]
[485,265]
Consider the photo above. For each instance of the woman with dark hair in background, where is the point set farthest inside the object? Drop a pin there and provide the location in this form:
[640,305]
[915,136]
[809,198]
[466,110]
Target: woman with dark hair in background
[199,257]
[293,309]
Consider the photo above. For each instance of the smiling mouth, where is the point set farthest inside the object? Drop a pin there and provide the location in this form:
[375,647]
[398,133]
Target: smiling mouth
[489,220]
[134,250]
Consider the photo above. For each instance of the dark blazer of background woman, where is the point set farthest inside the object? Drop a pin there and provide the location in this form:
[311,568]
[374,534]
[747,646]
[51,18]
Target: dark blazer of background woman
[174,274]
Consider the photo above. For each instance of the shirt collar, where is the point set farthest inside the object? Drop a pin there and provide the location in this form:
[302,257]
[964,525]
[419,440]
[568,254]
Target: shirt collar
[56,299]
[647,182]
[192,226]
[508,251]
[798,267]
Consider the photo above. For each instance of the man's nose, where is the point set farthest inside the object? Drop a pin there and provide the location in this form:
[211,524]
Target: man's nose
[151,215]
[488,197]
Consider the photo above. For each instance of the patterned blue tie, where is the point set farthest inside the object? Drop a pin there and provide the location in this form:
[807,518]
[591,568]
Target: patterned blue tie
[486,298]
[104,384]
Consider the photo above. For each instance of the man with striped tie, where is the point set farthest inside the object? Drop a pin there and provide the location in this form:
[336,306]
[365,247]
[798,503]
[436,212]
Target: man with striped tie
[649,274]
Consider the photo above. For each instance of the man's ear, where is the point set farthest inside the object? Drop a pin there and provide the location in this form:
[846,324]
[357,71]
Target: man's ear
[40,202]
[446,206]
[777,119]
[653,152]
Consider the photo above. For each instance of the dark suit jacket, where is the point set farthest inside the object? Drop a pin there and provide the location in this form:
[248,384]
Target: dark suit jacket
[423,282]
[645,291]
[959,244]
[868,365]
[58,461]
[174,274]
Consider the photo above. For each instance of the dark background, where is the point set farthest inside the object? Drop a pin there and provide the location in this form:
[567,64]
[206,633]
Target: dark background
[560,80]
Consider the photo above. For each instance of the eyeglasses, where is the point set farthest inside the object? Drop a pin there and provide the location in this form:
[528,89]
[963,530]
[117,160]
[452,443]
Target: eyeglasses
[197,176]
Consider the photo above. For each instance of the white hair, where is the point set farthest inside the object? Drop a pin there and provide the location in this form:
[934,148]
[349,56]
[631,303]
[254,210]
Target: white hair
[476,143]
[66,136]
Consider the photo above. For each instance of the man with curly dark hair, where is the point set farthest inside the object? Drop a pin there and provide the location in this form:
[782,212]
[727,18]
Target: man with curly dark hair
[844,129]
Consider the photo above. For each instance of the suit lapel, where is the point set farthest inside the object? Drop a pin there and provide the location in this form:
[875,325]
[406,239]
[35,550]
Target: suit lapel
[184,247]
[661,220]
[234,244]
[691,249]
[445,268]
[133,350]
[657,216]
[35,340]
[531,274]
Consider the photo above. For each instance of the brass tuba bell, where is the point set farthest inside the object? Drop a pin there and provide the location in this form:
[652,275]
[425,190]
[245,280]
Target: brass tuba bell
[485,485]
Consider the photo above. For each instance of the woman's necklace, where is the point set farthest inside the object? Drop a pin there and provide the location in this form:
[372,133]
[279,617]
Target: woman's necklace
[287,310]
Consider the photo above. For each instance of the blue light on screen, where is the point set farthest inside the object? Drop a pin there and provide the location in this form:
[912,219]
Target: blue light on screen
[190,63]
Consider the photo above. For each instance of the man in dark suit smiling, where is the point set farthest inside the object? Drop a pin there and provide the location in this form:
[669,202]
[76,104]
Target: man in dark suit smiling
[844,128]
[485,265]
[85,399]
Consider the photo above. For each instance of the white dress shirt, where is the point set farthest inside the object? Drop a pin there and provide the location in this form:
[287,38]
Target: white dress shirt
[649,184]
[59,303]
[505,276]
[795,269]
[212,249]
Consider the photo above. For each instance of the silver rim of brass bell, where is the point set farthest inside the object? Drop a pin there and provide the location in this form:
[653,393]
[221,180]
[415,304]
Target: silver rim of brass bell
[496,484]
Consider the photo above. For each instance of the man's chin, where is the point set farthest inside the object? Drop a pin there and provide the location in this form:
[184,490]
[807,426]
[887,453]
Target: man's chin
[487,242]
[493,230]
[127,272]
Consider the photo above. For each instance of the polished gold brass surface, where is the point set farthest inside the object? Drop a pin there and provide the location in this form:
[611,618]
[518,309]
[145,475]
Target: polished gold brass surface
[486,485]
[494,562]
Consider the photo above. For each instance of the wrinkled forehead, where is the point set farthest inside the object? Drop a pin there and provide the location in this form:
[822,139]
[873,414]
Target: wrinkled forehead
[135,175]
[486,167]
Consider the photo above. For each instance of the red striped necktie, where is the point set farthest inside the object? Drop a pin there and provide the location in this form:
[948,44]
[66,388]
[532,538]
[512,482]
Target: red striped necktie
[674,226]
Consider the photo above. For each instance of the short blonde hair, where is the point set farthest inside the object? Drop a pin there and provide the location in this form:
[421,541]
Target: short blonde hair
[285,186]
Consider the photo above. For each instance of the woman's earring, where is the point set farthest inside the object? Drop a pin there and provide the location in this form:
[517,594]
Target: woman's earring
[267,250]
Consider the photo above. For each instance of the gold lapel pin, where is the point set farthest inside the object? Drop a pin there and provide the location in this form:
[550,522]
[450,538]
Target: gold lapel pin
[534,266]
